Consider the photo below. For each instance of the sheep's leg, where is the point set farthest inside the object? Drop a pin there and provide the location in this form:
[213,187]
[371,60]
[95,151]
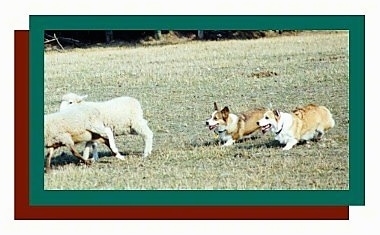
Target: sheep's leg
[77,154]
[48,159]
[86,151]
[142,129]
[117,154]
[109,139]
[110,142]
[95,155]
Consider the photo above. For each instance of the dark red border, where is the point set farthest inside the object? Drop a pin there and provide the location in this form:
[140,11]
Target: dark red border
[24,211]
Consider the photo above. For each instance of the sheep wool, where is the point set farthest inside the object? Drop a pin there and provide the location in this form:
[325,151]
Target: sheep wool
[123,115]
[74,125]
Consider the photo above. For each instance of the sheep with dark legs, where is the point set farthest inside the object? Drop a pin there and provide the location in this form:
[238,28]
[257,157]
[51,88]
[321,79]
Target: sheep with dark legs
[123,115]
[75,125]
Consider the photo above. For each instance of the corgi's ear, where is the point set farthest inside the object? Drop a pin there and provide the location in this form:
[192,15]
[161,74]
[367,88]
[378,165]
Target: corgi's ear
[276,113]
[215,106]
[225,112]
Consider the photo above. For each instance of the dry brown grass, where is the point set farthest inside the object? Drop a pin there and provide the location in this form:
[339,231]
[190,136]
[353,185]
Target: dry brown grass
[177,85]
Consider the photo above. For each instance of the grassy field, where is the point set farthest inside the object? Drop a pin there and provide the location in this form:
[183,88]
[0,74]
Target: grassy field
[177,85]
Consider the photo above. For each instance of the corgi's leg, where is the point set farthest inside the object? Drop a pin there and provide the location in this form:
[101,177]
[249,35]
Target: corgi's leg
[290,144]
[318,135]
[229,141]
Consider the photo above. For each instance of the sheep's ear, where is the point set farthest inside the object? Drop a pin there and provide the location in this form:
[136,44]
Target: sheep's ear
[81,98]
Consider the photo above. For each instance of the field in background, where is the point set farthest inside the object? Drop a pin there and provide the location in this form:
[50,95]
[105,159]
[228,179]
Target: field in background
[177,85]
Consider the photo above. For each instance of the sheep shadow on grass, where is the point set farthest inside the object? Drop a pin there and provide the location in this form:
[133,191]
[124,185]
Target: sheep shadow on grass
[63,159]
[67,159]
[105,157]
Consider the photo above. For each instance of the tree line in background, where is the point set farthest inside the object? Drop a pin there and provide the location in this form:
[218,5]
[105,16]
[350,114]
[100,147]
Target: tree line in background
[83,38]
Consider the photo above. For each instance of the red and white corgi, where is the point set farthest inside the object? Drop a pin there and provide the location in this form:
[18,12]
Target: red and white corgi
[231,127]
[305,123]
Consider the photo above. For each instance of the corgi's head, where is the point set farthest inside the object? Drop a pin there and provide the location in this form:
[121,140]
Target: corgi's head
[218,119]
[269,121]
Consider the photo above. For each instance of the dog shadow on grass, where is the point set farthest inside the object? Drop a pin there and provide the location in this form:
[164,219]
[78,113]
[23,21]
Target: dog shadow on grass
[271,144]
[216,142]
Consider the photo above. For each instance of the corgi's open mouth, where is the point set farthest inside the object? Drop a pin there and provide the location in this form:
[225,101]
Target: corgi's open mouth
[265,128]
[212,127]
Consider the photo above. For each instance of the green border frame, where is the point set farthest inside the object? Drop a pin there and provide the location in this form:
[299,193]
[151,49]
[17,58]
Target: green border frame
[354,196]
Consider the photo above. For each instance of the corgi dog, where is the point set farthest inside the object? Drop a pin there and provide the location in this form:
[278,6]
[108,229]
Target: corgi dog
[229,127]
[305,123]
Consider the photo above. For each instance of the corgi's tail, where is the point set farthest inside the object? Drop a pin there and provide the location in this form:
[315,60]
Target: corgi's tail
[330,122]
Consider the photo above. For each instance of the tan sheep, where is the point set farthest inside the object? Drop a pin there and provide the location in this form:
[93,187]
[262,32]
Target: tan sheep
[75,125]
[123,115]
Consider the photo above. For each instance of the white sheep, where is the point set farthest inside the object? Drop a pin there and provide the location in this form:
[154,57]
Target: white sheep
[75,125]
[123,115]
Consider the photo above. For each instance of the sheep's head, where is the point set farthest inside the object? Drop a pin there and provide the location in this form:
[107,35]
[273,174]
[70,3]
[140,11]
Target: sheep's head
[71,99]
